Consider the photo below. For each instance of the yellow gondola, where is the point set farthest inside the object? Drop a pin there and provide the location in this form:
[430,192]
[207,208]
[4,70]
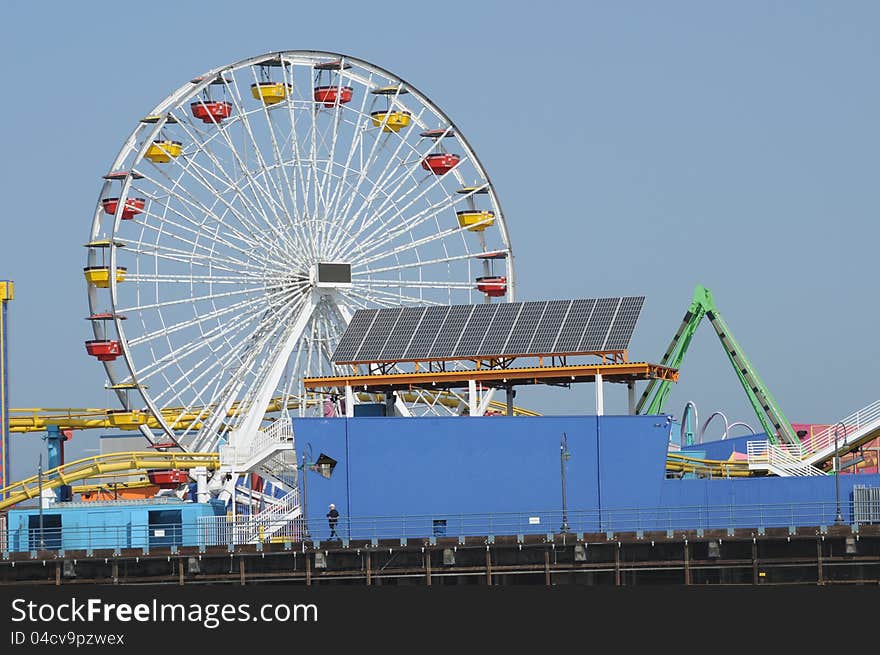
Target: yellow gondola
[475,220]
[270,92]
[161,152]
[100,275]
[395,122]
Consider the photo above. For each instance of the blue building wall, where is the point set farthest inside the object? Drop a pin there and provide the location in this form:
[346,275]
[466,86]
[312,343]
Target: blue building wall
[120,524]
[722,449]
[501,475]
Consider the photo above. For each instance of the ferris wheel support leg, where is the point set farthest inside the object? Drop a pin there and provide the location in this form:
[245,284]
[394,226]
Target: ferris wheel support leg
[349,401]
[201,475]
[484,403]
[250,424]
[472,398]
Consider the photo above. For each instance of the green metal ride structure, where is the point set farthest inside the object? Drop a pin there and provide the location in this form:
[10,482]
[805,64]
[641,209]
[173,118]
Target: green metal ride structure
[776,426]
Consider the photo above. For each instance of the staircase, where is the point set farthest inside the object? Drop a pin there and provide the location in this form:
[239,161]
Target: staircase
[272,449]
[801,459]
[278,520]
[855,429]
[783,460]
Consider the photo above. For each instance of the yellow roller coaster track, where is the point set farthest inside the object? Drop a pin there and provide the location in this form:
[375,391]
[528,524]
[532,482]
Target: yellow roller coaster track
[678,463]
[36,419]
[102,465]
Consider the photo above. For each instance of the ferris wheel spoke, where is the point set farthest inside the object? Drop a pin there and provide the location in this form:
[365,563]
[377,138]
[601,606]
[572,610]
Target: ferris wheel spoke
[198,227]
[200,318]
[193,202]
[426,214]
[279,159]
[228,181]
[160,228]
[182,301]
[365,165]
[389,299]
[281,342]
[366,247]
[350,217]
[417,284]
[356,272]
[179,278]
[207,339]
[201,174]
[196,257]
[261,162]
[190,348]
[308,235]
[409,169]
[208,364]
[364,258]
[325,178]
[358,130]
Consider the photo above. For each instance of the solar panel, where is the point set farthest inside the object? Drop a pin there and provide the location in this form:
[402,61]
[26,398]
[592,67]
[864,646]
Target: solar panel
[353,337]
[403,331]
[490,330]
[377,335]
[548,328]
[423,338]
[452,329]
[624,324]
[476,329]
[499,329]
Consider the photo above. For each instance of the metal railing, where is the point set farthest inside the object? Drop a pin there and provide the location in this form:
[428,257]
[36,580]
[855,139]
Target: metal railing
[796,459]
[221,531]
[261,446]
[783,459]
[866,417]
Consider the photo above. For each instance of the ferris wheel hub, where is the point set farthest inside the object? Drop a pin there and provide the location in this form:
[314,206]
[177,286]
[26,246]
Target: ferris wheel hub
[332,275]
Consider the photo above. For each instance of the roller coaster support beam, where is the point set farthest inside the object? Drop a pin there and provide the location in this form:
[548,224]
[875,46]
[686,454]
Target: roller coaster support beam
[776,425]
[7,292]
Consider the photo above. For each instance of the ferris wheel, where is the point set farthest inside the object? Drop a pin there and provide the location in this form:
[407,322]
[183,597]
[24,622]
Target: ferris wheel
[252,211]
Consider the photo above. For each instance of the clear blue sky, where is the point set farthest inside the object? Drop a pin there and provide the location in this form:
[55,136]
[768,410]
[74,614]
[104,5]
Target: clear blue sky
[637,148]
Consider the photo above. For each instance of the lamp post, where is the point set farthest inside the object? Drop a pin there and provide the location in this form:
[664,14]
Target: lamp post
[564,456]
[838,520]
[306,457]
[40,488]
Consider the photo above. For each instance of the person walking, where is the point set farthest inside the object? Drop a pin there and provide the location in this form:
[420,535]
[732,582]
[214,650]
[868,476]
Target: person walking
[332,519]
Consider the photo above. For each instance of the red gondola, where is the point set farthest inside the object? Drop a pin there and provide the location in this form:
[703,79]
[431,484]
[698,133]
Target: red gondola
[493,286]
[168,478]
[106,350]
[211,111]
[133,206]
[332,95]
[440,163]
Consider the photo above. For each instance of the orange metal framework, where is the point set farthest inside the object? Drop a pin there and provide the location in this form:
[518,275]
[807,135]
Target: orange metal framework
[618,372]
[493,361]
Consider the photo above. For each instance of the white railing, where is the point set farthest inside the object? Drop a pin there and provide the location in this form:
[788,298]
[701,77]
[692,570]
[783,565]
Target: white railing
[262,446]
[784,458]
[854,423]
[275,519]
[794,459]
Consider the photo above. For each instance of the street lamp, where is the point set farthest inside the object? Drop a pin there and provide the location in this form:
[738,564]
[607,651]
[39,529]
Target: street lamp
[564,456]
[305,483]
[323,466]
[838,520]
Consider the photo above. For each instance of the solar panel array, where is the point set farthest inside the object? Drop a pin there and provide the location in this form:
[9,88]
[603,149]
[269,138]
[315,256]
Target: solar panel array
[485,331]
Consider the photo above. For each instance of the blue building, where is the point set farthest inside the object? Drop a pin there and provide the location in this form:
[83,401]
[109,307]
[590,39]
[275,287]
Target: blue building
[503,475]
[153,523]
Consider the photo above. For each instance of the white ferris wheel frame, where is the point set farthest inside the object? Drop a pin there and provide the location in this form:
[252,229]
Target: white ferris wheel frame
[326,306]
